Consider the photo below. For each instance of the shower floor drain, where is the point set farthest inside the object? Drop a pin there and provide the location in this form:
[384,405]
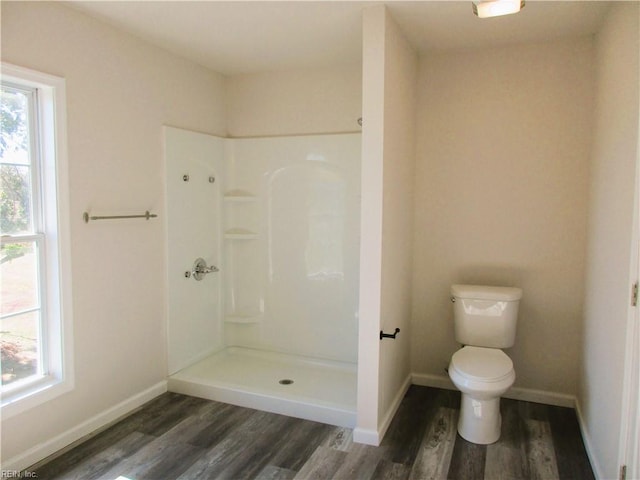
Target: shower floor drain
[285,381]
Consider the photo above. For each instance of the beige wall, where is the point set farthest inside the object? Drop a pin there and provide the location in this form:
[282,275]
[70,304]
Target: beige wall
[501,199]
[373,22]
[389,71]
[400,68]
[120,91]
[609,269]
[327,100]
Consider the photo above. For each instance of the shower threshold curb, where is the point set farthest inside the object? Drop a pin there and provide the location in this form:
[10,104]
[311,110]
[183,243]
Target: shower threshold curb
[245,397]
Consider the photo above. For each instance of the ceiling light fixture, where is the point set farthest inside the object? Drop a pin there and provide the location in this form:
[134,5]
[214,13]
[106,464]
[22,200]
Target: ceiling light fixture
[496,8]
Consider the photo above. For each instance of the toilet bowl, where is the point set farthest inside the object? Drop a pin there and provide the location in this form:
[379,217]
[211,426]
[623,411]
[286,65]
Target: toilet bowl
[482,375]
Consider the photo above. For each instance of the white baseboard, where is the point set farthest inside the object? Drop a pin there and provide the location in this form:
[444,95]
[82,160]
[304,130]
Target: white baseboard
[374,437]
[430,380]
[541,396]
[87,428]
[515,393]
[393,408]
[588,445]
[368,437]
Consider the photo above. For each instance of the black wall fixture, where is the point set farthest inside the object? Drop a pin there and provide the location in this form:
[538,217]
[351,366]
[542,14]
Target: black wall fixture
[389,335]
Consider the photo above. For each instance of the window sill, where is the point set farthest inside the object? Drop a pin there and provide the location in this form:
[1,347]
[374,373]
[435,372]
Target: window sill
[28,397]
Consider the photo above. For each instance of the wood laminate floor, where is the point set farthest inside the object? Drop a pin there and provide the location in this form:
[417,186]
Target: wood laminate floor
[180,437]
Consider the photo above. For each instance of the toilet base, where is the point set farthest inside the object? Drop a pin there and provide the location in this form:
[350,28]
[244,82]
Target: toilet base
[480,420]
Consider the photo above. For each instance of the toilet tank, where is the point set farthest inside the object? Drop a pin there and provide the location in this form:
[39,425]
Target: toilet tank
[485,316]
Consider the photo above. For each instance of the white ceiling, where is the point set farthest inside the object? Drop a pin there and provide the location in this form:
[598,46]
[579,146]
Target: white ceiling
[233,37]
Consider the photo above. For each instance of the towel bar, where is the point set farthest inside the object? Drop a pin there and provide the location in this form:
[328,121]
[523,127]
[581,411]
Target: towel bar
[146,216]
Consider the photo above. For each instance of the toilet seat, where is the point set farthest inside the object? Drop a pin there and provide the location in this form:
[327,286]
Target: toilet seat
[482,364]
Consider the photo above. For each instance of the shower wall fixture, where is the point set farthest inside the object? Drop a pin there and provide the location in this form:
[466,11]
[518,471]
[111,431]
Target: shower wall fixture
[193,210]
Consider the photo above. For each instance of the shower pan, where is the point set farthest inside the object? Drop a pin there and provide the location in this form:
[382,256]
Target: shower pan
[267,315]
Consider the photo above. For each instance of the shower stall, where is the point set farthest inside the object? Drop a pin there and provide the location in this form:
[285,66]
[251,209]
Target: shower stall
[263,271]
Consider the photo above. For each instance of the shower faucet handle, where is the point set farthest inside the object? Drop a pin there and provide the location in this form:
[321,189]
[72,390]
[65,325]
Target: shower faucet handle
[211,269]
[200,269]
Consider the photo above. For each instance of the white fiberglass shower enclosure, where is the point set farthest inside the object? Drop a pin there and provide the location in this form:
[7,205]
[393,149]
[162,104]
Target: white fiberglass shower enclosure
[274,325]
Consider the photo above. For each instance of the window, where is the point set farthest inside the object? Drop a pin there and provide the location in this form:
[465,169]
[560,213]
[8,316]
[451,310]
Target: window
[35,296]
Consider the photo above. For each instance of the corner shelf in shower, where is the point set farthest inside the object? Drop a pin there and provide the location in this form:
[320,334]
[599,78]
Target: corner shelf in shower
[240,234]
[243,317]
[239,196]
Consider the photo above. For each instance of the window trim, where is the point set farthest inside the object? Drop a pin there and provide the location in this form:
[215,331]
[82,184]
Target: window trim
[56,244]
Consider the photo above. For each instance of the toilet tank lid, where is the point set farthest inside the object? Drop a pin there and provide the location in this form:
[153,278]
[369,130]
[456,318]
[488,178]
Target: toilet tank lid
[481,292]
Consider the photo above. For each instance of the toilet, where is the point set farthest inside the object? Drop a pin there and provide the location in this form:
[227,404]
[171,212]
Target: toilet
[484,322]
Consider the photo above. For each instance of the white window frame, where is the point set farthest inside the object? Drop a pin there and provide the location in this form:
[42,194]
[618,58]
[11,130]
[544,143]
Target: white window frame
[54,243]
